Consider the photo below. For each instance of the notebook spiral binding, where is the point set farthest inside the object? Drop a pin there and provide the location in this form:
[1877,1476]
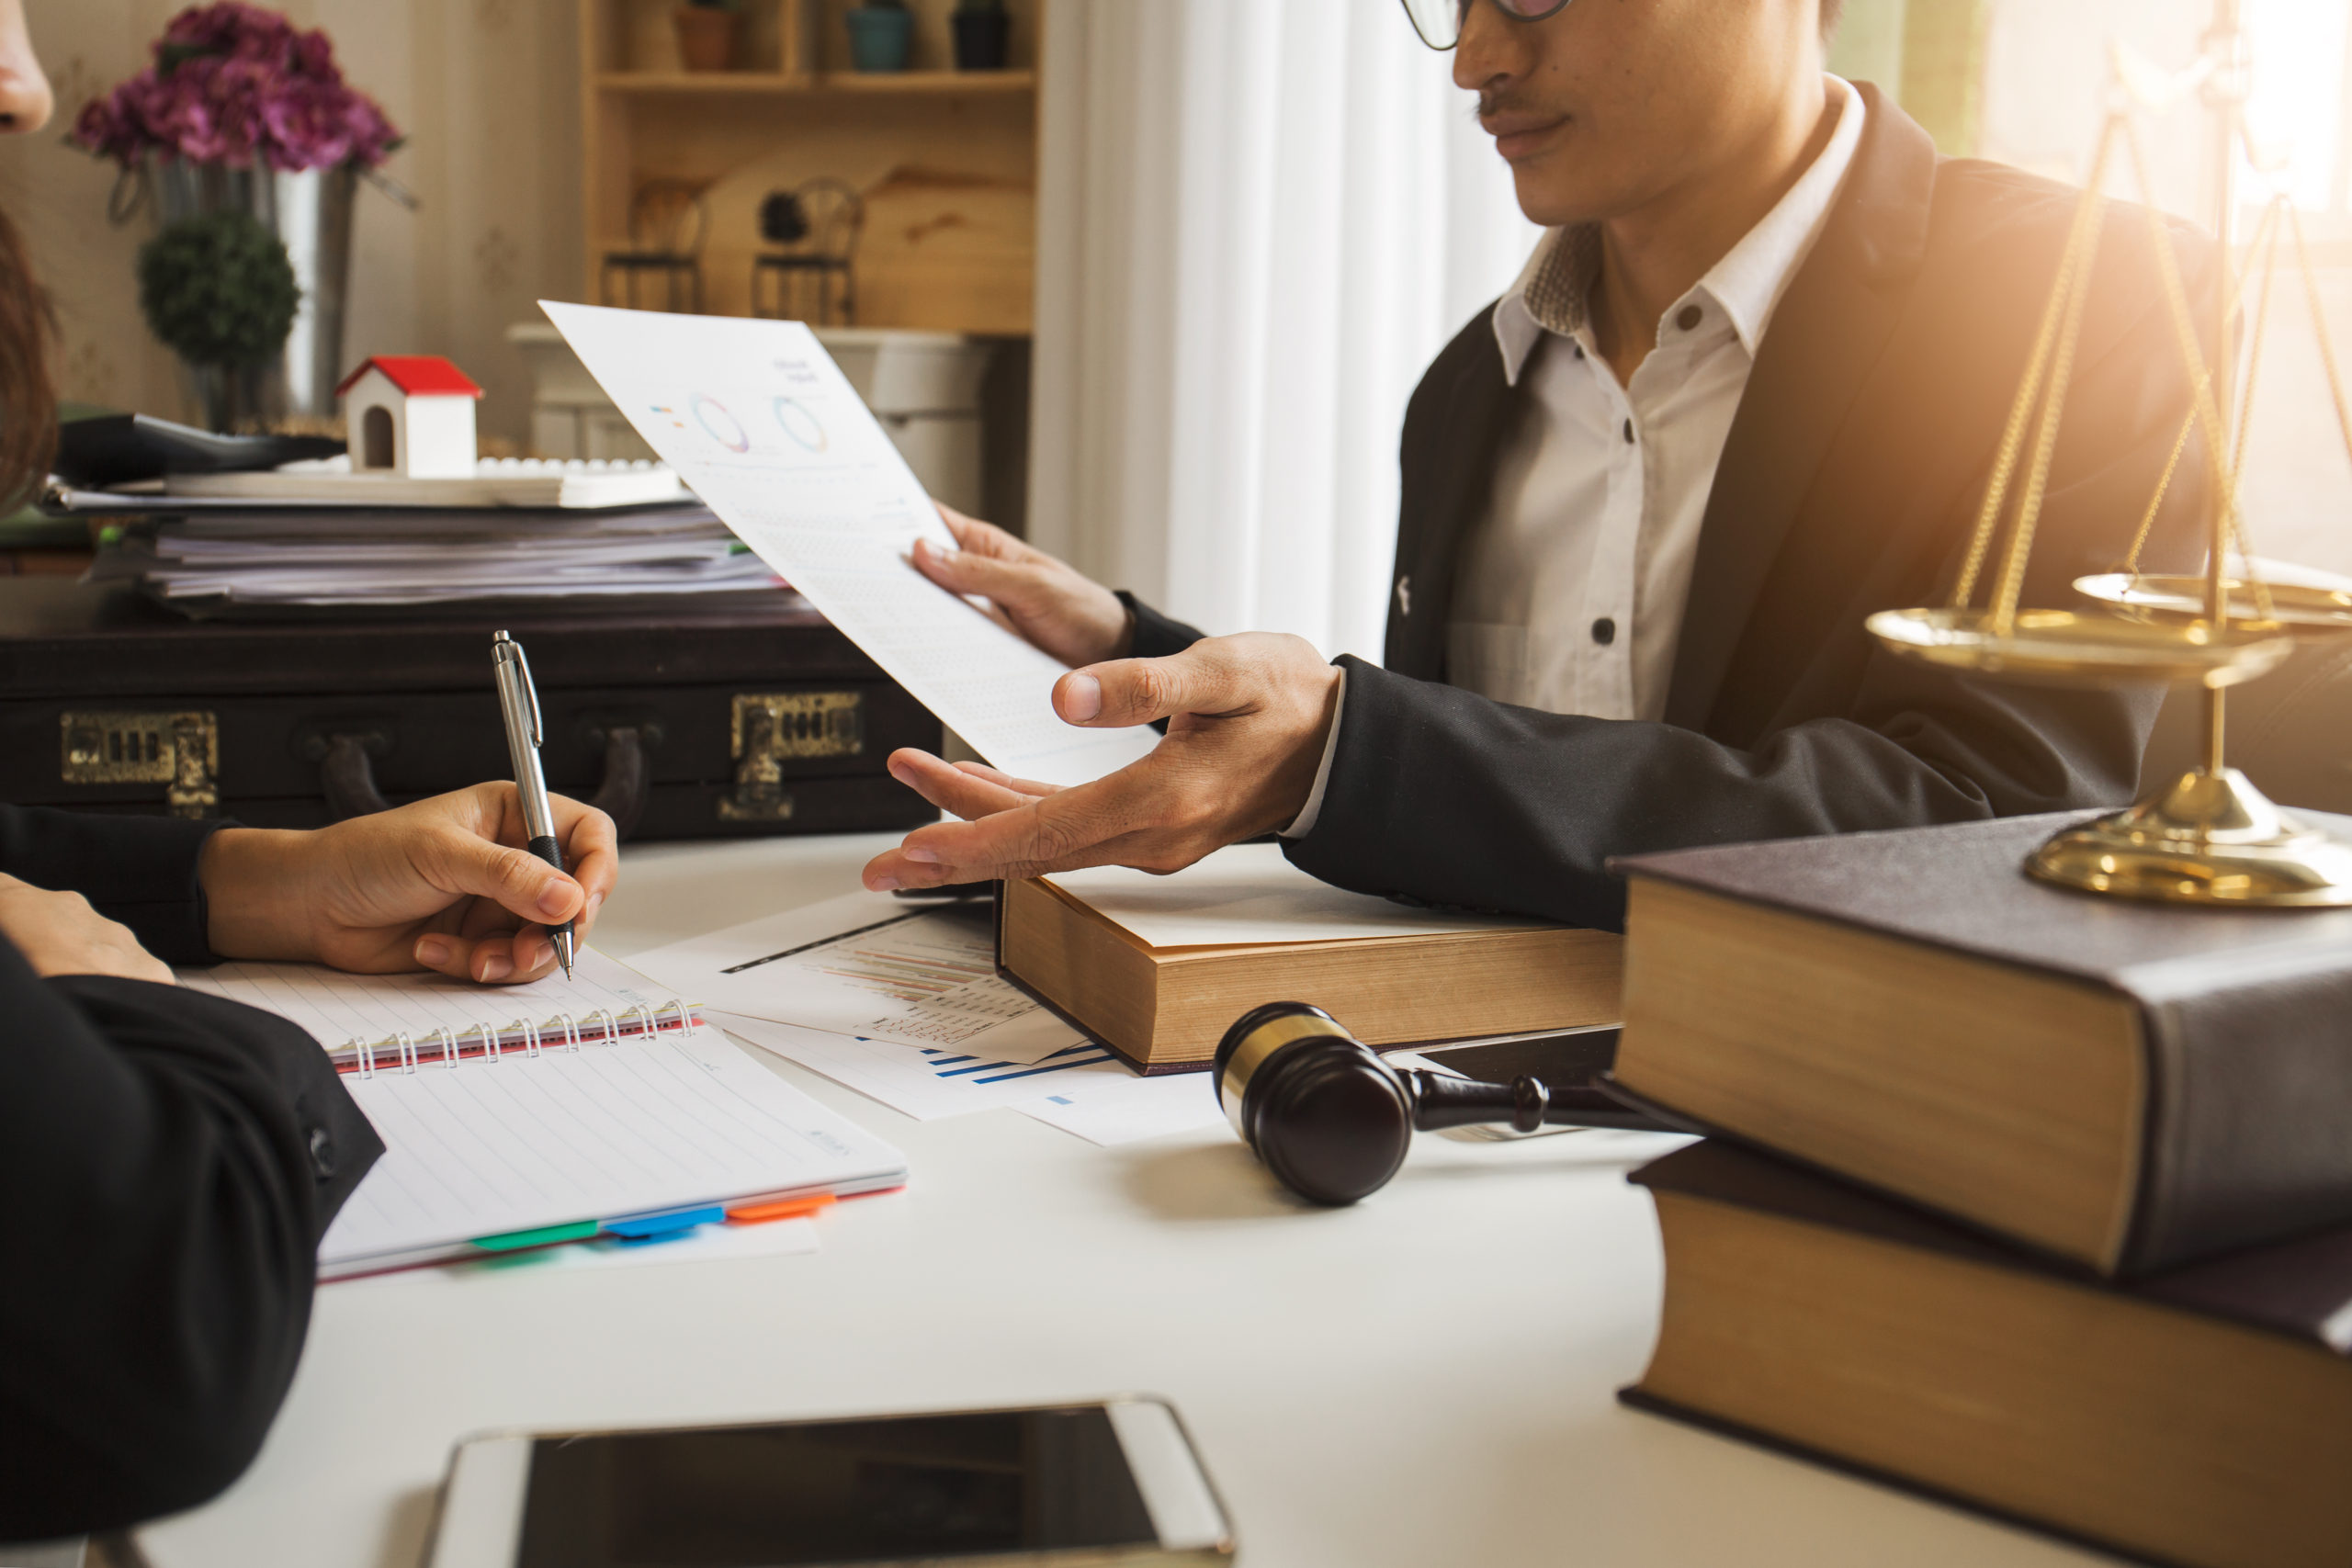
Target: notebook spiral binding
[446,1048]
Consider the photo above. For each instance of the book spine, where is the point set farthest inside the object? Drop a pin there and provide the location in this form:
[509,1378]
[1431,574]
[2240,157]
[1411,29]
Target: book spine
[2248,1124]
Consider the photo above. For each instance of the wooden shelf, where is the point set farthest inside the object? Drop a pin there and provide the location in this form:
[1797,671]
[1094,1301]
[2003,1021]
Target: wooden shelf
[739,82]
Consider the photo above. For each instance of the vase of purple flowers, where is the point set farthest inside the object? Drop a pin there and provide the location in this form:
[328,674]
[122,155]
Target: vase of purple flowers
[242,111]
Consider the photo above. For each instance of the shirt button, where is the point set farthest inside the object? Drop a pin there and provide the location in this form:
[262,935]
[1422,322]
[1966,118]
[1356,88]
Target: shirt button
[1629,433]
[1604,631]
[321,1152]
[1690,317]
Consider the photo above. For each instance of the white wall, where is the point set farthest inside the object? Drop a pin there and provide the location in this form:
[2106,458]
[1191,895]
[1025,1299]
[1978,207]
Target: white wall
[488,91]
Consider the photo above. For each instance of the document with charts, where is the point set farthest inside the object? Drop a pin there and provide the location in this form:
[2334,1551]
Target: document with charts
[756,417]
[871,967]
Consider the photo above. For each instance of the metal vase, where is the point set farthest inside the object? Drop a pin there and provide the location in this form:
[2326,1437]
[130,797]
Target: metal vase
[311,212]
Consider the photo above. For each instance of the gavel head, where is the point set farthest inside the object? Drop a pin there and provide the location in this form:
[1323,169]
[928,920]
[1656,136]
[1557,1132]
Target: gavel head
[1329,1118]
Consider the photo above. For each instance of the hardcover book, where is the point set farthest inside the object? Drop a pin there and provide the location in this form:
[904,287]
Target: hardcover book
[1159,967]
[2129,1086]
[2202,1418]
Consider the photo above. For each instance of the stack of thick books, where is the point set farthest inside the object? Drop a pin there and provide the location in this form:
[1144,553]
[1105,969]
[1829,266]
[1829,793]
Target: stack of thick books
[2035,1201]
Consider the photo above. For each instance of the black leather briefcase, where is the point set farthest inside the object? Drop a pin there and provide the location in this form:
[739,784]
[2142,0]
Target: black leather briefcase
[684,724]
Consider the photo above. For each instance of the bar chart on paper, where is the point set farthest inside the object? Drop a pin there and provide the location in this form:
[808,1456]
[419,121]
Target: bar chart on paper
[867,965]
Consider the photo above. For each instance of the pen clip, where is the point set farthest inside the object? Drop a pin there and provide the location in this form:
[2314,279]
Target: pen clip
[514,664]
[531,696]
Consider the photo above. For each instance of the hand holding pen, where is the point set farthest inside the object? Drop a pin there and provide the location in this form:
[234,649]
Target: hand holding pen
[518,702]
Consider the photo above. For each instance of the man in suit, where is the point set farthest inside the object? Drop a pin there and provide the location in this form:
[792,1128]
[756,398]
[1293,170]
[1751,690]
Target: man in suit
[1748,390]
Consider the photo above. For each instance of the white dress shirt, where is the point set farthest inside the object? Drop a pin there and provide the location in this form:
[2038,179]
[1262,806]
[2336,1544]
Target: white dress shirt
[1572,588]
[1571,591]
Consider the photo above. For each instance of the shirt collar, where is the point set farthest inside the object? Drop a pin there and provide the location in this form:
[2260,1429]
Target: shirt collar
[1748,283]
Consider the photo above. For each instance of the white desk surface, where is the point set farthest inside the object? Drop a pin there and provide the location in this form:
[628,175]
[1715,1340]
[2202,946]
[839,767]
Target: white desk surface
[1426,1379]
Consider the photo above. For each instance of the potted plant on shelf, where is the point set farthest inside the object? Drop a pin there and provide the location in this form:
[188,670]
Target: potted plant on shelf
[707,34]
[983,32]
[880,32]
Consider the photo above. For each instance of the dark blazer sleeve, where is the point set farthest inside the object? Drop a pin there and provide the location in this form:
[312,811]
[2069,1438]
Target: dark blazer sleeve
[1157,636]
[138,870]
[168,1162]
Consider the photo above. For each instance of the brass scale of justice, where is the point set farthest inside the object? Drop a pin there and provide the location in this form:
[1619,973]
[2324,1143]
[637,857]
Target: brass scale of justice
[2209,837]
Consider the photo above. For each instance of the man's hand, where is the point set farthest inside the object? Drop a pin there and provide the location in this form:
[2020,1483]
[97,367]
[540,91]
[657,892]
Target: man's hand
[442,884]
[59,933]
[1053,605]
[1246,720]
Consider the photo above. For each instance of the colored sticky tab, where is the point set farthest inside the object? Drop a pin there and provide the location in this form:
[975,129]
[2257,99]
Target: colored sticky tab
[546,1235]
[639,1226]
[781,1209]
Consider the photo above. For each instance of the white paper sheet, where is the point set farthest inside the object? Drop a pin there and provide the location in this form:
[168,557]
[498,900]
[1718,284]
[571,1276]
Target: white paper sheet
[1110,1112]
[1249,894]
[870,965]
[759,421]
[926,1082]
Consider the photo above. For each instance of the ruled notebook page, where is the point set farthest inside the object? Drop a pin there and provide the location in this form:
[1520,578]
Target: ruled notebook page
[487,1148]
[337,1007]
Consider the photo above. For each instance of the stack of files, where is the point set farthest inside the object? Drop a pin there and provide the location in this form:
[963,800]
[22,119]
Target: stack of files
[2032,1201]
[607,1109]
[336,557]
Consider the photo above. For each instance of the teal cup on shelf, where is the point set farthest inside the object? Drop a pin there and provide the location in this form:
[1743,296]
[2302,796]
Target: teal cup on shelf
[879,36]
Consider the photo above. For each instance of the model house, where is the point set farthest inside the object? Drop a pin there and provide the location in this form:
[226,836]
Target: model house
[411,415]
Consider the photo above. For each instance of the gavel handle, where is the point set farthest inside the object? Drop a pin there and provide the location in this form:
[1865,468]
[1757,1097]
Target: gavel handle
[1524,1102]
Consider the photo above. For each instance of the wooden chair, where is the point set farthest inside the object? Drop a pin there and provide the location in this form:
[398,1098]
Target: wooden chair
[816,229]
[666,225]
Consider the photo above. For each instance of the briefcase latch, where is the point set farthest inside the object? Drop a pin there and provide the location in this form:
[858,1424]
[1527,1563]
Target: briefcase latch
[178,750]
[772,727]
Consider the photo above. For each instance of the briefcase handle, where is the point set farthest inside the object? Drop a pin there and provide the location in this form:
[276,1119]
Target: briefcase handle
[347,772]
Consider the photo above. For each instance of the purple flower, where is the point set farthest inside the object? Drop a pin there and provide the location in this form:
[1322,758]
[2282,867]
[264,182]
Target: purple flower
[233,82]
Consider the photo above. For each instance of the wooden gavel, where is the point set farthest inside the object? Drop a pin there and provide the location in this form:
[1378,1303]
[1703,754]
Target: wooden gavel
[1332,1120]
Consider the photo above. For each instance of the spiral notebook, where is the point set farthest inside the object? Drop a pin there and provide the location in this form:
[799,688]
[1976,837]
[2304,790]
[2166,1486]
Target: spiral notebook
[600,1107]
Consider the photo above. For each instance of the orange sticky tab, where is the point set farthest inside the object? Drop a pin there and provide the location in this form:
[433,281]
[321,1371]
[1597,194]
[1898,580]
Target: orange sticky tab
[783,1209]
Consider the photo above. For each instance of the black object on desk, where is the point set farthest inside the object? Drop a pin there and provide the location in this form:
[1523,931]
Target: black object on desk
[121,448]
[754,719]
[1332,1120]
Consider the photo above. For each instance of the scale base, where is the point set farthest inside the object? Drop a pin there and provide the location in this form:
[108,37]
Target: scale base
[2205,839]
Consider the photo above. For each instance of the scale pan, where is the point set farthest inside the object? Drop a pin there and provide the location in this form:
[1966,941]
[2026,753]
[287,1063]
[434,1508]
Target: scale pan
[2061,648]
[2295,608]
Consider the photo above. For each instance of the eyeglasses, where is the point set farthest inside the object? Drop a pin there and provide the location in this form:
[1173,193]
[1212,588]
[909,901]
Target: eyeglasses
[1440,21]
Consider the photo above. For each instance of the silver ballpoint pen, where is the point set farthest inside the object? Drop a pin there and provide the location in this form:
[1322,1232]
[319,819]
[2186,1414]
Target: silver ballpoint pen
[518,701]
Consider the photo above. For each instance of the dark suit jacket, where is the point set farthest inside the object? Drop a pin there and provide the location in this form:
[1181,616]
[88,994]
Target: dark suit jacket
[1849,483]
[168,1161]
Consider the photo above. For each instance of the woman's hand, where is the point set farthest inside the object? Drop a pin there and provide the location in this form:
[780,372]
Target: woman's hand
[59,933]
[443,885]
[1049,603]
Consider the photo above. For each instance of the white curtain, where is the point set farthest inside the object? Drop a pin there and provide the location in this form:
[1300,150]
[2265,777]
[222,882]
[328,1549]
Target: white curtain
[1259,220]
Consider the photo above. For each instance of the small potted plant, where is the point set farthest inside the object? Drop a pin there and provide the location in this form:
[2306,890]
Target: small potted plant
[707,34]
[880,32]
[983,32]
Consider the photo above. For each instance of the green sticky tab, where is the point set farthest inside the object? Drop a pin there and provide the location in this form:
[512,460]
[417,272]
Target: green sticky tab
[514,1241]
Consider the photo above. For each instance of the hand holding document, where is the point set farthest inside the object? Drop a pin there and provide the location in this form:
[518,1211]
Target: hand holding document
[757,419]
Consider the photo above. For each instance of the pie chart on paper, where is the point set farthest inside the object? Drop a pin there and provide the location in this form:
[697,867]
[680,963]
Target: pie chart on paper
[718,425]
[801,426]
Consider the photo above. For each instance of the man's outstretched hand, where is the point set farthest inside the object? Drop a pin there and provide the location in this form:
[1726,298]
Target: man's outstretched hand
[1247,718]
[443,885]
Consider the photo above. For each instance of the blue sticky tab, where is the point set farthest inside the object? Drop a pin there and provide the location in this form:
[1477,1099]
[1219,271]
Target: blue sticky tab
[638,1226]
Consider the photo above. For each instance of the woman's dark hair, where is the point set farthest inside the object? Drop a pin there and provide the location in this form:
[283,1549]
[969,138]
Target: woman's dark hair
[27,396]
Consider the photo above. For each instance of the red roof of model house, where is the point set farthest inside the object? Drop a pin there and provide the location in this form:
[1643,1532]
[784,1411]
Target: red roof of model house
[418,375]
